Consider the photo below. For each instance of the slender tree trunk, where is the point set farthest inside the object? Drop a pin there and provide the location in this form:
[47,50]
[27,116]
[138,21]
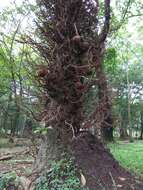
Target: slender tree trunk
[15,122]
[123,125]
[123,133]
[5,117]
[104,104]
[129,108]
[17,102]
[141,135]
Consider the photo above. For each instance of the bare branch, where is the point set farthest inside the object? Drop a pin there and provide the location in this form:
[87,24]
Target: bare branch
[105,30]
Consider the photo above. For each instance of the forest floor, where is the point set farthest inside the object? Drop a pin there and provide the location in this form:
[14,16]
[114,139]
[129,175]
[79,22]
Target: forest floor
[16,158]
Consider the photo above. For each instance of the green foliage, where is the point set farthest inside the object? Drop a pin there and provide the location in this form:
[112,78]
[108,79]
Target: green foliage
[40,130]
[110,60]
[7,180]
[19,91]
[62,176]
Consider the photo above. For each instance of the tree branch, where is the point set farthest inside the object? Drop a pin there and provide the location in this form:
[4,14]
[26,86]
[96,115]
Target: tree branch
[105,30]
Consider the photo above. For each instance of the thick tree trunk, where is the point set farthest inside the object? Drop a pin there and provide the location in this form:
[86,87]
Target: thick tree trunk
[63,129]
[50,149]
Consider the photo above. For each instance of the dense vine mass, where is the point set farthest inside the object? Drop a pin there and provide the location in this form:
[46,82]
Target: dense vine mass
[72,42]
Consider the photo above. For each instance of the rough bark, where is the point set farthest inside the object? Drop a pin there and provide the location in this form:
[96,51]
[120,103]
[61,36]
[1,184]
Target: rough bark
[50,149]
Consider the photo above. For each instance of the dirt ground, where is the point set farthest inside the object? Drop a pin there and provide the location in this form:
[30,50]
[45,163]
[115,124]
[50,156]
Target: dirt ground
[99,167]
[21,161]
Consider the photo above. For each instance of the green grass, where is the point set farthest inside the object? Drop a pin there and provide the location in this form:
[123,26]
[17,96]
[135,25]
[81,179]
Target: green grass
[130,155]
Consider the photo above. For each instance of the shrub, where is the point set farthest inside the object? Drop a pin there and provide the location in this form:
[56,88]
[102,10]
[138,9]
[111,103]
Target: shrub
[9,181]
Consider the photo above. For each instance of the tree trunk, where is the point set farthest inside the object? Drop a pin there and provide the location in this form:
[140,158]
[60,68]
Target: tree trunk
[123,133]
[15,122]
[107,133]
[50,149]
[129,107]
[141,115]
[141,136]
[105,107]
[5,117]
[61,131]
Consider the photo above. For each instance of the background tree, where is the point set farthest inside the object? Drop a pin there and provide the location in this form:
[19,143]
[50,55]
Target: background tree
[19,92]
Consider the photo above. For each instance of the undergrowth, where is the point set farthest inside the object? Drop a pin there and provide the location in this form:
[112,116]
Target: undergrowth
[9,181]
[62,176]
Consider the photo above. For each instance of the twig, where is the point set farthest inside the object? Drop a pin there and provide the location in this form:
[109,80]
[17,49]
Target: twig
[114,183]
[71,126]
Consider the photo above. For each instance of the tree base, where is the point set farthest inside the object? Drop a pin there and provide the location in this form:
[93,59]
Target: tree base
[99,167]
